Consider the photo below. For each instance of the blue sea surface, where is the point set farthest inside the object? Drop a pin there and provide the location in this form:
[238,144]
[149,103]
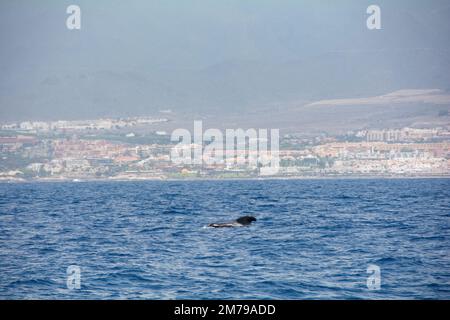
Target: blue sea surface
[314,239]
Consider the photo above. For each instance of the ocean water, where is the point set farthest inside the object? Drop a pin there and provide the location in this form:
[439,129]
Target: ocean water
[314,239]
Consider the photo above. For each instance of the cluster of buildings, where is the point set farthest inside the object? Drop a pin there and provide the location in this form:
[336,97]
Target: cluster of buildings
[397,153]
[80,125]
[405,135]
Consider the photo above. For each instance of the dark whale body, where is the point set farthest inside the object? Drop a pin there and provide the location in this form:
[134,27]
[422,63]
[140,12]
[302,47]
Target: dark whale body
[241,222]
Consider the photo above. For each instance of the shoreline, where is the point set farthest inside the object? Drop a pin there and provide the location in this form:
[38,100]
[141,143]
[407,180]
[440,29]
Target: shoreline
[190,179]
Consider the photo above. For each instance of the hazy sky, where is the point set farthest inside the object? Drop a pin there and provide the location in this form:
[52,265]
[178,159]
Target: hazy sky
[137,57]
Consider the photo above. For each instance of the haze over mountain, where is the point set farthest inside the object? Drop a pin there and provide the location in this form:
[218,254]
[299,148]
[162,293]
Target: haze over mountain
[265,59]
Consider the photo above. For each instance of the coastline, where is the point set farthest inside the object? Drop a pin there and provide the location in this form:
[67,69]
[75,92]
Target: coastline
[188,179]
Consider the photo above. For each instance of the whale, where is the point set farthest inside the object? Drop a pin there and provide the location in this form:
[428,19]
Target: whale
[240,222]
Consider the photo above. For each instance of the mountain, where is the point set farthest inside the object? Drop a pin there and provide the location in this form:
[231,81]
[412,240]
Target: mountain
[221,60]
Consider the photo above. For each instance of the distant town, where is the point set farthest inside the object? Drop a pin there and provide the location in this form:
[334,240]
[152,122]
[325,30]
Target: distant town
[130,149]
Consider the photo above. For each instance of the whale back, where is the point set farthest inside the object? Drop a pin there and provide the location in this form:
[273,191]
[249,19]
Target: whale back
[246,220]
